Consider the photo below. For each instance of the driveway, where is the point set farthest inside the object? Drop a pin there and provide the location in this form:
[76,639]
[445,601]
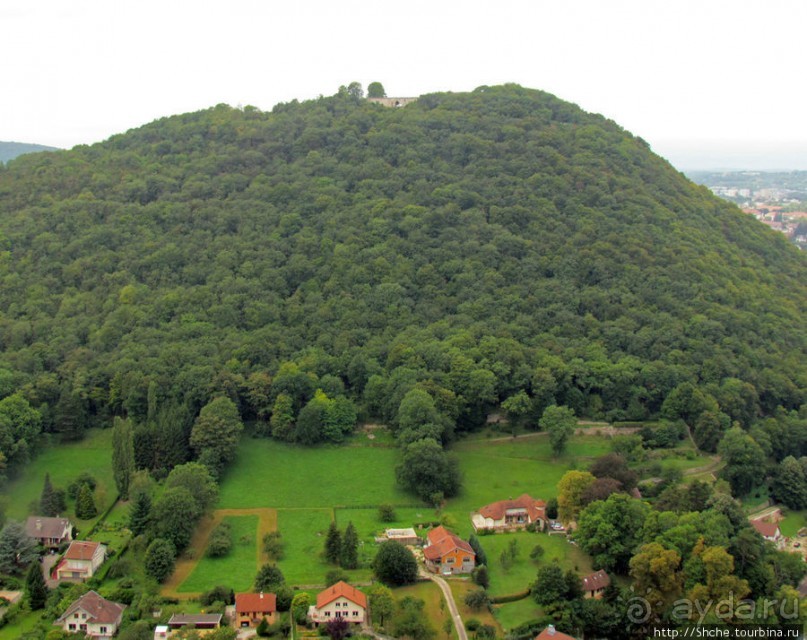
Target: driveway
[452,606]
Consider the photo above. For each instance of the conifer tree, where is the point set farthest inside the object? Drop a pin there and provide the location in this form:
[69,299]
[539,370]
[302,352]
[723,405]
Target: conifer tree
[139,513]
[85,504]
[350,548]
[47,501]
[35,587]
[333,544]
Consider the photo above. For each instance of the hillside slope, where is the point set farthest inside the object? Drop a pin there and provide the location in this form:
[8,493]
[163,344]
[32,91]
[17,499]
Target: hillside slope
[10,150]
[476,245]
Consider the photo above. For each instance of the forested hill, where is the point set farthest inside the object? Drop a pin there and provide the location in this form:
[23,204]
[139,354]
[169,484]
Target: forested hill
[10,150]
[476,245]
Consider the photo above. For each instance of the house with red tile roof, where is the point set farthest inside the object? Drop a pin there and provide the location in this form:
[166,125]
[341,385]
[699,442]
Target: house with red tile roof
[340,600]
[594,584]
[448,553]
[80,561]
[510,515]
[768,530]
[92,615]
[251,608]
[550,633]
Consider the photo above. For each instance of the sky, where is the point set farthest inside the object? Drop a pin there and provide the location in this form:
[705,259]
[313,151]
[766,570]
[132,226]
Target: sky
[709,84]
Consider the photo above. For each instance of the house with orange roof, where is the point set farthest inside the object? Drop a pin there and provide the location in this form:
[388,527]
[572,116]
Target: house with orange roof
[81,560]
[511,515]
[251,608]
[550,633]
[340,600]
[448,553]
[594,584]
[768,530]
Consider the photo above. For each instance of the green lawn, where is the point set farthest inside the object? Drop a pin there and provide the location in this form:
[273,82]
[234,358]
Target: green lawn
[523,570]
[64,462]
[274,474]
[502,469]
[237,569]
[512,614]
[368,525]
[793,521]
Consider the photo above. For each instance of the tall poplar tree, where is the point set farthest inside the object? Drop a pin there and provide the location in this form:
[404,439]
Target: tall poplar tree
[123,465]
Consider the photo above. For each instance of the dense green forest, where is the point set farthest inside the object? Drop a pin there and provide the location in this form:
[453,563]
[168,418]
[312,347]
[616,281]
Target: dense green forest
[479,247]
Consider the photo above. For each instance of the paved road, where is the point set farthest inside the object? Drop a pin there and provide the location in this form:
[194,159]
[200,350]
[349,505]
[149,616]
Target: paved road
[452,606]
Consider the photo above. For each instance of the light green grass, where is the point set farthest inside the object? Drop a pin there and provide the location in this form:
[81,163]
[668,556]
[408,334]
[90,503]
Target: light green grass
[304,532]
[523,571]
[512,614]
[26,621]
[792,522]
[237,569]
[498,470]
[431,595]
[64,462]
[274,474]
[368,525]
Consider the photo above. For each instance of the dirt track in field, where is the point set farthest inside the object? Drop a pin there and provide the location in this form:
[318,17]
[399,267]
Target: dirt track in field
[267,522]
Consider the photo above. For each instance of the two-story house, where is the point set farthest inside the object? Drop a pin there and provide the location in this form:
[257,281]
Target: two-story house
[251,608]
[81,560]
[339,601]
[448,553]
[92,615]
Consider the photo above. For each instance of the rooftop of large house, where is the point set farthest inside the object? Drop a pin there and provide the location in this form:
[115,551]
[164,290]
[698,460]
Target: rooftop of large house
[341,590]
[257,602]
[44,527]
[81,550]
[100,610]
[442,541]
[497,510]
[766,529]
[596,581]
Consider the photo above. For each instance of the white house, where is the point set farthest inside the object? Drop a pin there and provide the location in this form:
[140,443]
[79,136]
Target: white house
[339,601]
[81,560]
[92,615]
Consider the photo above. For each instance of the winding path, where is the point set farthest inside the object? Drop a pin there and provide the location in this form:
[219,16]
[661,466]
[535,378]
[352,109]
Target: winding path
[449,596]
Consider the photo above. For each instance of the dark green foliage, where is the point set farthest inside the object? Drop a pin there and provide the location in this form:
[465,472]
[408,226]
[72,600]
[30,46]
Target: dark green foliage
[174,516]
[480,575]
[217,594]
[83,478]
[85,503]
[559,422]
[17,550]
[269,578]
[20,424]
[47,502]
[553,585]
[537,552]
[376,90]
[333,544]
[744,458]
[614,465]
[485,243]
[428,471]
[349,556]
[197,479]
[123,461]
[790,484]
[216,431]
[220,541]
[394,564]
[273,545]
[477,600]
[386,513]
[552,508]
[140,513]
[284,595]
[35,588]
[481,556]
[159,560]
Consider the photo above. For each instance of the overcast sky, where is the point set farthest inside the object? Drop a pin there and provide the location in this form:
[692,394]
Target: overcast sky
[708,83]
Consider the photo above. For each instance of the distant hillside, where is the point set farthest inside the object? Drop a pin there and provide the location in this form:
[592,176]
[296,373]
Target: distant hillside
[478,246]
[10,150]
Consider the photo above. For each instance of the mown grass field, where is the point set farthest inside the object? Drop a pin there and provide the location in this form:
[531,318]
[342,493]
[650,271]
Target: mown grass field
[237,569]
[64,463]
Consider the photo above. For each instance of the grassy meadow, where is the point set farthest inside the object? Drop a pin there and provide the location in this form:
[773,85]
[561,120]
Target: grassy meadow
[64,463]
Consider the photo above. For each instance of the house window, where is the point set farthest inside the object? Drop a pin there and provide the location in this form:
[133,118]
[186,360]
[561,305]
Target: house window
[327,614]
[449,560]
[103,629]
[71,627]
[355,614]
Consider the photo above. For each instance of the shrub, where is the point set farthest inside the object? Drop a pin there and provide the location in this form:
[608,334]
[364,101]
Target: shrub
[220,542]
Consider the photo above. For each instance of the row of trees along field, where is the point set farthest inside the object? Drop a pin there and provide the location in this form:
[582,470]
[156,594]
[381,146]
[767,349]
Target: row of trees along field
[334,259]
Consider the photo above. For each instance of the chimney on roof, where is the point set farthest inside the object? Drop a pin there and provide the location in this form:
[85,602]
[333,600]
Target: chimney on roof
[551,629]
[261,596]
[38,524]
